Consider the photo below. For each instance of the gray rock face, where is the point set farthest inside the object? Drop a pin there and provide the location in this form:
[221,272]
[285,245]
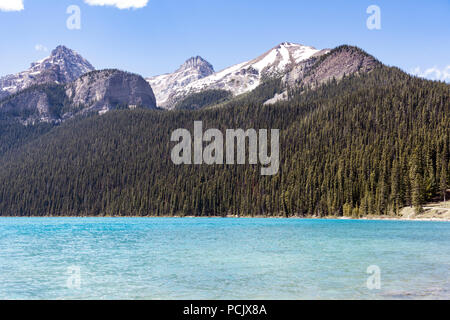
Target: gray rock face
[340,62]
[62,66]
[203,67]
[97,91]
[33,105]
[103,90]
[3,94]
[299,71]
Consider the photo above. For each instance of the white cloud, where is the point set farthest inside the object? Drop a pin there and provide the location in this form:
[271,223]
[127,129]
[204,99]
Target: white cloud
[11,5]
[121,4]
[433,73]
[17,5]
[40,47]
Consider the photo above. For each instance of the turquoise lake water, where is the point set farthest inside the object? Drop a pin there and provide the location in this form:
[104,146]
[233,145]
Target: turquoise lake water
[140,258]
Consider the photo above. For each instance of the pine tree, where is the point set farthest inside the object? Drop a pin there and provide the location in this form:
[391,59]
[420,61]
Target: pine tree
[416,183]
[443,185]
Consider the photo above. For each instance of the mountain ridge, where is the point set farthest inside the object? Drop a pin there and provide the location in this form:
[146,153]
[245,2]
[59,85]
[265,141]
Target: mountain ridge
[288,60]
[195,82]
[242,77]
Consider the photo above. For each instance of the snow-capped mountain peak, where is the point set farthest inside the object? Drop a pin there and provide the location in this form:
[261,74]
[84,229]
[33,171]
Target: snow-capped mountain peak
[193,69]
[281,57]
[62,66]
[238,79]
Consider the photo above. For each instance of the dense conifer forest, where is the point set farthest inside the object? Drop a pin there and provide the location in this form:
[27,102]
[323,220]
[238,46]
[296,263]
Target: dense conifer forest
[203,99]
[367,144]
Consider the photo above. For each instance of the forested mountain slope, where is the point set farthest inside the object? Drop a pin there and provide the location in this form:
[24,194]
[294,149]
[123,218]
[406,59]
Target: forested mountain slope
[369,143]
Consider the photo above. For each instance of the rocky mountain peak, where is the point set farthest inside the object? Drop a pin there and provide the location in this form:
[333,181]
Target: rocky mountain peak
[62,66]
[193,69]
[199,64]
[71,64]
[62,50]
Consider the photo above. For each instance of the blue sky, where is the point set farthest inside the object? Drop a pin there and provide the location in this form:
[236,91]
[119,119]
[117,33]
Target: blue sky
[160,35]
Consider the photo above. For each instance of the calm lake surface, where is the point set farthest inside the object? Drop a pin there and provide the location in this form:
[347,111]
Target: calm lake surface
[140,258]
